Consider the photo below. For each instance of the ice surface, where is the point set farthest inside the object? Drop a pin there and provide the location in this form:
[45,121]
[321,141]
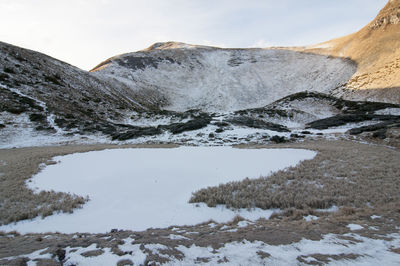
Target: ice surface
[142,188]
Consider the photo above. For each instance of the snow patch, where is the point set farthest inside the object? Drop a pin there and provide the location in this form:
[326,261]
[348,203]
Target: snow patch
[242,224]
[177,237]
[388,111]
[354,227]
[310,218]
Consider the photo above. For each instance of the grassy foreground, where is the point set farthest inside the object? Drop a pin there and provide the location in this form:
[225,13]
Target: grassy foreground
[363,179]
[343,173]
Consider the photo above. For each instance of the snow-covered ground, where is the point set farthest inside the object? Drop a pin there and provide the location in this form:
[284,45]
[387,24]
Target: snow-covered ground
[22,133]
[142,188]
[351,250]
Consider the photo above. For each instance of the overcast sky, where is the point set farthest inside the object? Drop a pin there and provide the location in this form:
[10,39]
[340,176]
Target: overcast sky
[86,32]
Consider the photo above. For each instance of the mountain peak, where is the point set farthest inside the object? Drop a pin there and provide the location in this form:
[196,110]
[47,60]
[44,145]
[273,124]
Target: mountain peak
[389,15]
[169,45]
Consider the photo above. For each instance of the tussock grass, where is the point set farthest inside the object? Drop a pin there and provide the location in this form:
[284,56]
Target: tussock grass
[17,202]
[343,173]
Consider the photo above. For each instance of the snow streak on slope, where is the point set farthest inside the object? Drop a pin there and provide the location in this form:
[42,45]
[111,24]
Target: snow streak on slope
[214,79]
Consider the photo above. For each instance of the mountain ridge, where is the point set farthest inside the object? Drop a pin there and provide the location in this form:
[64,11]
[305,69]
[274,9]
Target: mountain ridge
[376,50]
[184,93]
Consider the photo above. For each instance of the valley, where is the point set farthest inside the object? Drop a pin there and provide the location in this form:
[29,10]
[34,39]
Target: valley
[182,154]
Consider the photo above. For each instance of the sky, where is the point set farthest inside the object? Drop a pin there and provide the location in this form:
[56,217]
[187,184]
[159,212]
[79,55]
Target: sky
[86,32]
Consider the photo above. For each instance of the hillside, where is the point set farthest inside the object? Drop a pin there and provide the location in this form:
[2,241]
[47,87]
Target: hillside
[376,51]
[189,94]
[221,80]
[42,96]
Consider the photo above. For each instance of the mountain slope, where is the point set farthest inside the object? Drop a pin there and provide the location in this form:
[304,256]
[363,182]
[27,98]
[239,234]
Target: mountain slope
[376,50]
[42,96]
[220,80]
[181,93]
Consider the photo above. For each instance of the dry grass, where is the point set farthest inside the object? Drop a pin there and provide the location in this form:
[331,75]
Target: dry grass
[343,173]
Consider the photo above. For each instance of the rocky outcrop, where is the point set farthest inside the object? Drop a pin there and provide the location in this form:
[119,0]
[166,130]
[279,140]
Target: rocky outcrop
[389,15]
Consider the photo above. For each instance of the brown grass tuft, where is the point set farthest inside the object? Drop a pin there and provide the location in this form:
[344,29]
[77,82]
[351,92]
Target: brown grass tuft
[343,173]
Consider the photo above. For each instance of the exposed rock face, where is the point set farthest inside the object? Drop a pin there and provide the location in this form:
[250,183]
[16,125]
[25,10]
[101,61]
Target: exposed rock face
[389,15]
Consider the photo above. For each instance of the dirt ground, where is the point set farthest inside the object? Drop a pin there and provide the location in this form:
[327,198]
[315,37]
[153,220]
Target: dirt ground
[288,226]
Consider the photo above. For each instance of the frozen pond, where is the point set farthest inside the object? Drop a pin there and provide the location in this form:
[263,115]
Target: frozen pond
[141,188]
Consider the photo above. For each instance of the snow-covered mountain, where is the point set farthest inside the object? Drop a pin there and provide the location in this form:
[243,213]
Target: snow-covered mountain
[176,92]
[220,80]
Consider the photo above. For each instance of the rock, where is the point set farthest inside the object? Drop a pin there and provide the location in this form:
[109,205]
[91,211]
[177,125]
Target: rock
[124,262]
[60,254]
[359,130]
[381,134]
[257,123]
[194,124]
[222,124]
[370,128]
[108,129]
[35,117]
[278,139]
[136,133]
[47,128]
[393,133]
[93,253]
[295,136]
[340,120]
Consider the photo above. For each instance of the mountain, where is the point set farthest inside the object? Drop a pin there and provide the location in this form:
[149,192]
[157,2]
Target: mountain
[361,66]
[376,51]
[191,94]
[42,95]
[222,80]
